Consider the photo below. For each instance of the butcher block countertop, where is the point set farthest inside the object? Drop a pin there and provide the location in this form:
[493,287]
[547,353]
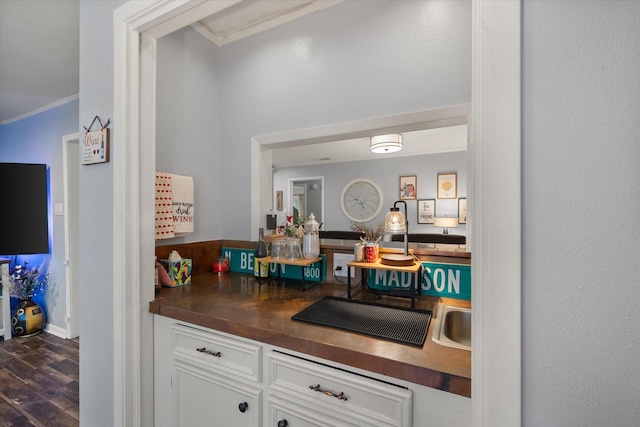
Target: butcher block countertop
[235,303]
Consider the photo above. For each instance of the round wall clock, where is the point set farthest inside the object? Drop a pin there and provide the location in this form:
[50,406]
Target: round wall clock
[361,200]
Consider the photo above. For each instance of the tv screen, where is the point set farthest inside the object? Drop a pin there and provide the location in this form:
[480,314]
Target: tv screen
[24,217]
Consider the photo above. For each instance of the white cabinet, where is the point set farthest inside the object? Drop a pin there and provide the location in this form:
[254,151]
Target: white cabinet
[204,377]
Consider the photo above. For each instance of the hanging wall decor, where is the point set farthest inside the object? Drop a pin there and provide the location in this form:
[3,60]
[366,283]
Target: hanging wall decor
[408,187]
[447,185]
[426,211]
[95,144]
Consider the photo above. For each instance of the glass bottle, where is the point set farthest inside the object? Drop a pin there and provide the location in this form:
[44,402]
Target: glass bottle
[261,269]
[311,239]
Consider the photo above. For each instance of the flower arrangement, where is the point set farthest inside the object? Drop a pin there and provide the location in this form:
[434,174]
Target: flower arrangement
[24,282]
[370,234]
[293,227]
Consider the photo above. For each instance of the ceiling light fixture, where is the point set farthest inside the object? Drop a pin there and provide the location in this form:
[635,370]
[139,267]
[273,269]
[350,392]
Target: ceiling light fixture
[382,144]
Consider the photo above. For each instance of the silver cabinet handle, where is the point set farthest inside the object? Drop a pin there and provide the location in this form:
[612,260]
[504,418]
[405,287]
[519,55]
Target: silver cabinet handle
[212,353]
[317,388]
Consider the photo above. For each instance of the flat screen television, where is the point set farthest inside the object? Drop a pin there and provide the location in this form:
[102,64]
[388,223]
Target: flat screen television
[24,215]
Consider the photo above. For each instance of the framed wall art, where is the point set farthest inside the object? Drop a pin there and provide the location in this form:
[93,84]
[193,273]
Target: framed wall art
[408,187]
[426,211]
[447,185]
[462,210]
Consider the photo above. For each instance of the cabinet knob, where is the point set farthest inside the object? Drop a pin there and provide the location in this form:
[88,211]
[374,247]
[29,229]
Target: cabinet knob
[243,407]
[283,423]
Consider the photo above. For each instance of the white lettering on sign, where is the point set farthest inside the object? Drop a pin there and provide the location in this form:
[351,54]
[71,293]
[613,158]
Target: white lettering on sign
[449,279]
[246,260]
[312,272]
[396,279]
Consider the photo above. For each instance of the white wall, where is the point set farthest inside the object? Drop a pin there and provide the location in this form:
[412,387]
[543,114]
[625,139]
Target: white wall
[581,229]
[386,173]
[96,220]
[38,139]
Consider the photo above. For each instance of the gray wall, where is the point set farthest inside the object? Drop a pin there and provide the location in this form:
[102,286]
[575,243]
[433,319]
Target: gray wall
[580,229]
[354,61]
[188,124]
[96,220]
[335,66]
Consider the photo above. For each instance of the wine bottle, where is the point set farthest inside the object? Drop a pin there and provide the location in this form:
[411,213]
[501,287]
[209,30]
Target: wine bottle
[260,269]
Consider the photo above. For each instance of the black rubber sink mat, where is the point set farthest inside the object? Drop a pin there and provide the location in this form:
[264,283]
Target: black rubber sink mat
[403,325]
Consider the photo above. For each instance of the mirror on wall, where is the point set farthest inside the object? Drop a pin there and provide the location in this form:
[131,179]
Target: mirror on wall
[425,154]
[341,152]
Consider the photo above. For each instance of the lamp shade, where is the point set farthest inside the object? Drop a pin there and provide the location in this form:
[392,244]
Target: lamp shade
[394,221]
[391,143]
[445,222]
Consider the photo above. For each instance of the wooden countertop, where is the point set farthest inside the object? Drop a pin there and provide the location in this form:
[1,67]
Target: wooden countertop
[235,303]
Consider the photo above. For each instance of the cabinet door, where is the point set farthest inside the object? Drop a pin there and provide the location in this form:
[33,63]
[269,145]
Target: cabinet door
[343,394]
[202,398]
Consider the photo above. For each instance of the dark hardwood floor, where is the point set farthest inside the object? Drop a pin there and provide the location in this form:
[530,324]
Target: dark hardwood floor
[39,382]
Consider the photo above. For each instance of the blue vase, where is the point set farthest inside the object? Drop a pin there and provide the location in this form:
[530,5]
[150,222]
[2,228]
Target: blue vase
[28,319]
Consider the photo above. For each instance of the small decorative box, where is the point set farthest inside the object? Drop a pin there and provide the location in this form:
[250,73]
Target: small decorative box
[179,271]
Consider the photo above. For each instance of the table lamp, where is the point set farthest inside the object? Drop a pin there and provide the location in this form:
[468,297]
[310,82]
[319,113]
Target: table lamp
[445,223]
[395,222]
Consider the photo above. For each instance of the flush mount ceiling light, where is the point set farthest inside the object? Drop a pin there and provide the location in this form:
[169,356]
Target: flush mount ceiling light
[391,143]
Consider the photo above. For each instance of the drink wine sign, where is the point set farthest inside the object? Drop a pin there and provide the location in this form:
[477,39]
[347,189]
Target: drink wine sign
[95,144]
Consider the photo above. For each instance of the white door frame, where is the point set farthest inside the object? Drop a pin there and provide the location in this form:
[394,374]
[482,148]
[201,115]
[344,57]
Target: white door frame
[494,203]
[70,171]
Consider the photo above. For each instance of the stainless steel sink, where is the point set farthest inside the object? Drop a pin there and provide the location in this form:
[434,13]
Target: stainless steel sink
[452,327]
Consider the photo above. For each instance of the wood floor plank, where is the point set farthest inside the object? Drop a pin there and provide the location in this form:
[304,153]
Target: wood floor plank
[39,382]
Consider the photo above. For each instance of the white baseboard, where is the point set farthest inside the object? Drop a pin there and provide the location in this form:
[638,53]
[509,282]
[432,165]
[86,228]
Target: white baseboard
[57,331]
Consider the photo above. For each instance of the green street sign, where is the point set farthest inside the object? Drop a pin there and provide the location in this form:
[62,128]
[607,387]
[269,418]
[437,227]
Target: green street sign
[437,279]
[241,261]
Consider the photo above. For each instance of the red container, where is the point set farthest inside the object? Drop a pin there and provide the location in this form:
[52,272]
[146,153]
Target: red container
[221,265]
[371,253]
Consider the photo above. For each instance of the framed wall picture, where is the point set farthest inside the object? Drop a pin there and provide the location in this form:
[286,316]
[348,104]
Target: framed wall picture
[426,211]
[462,210]
[408,187]
[447,185]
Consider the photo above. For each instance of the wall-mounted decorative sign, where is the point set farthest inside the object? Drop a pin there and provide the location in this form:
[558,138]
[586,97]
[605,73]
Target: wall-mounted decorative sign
[462,210]
[426,211]
[408,187]
[95,144]
[447,185]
